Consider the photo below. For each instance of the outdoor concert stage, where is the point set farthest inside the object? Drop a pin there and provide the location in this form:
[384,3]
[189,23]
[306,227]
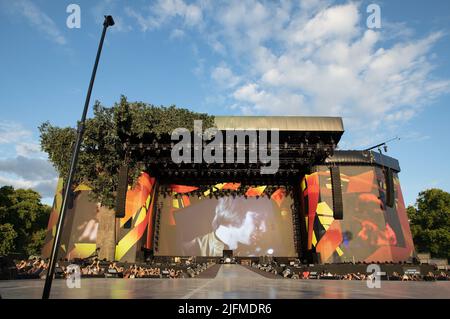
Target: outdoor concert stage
[321,205]
[231,282]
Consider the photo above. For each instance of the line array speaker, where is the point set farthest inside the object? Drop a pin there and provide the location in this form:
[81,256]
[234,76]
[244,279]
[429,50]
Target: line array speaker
[156,231]
[70,199]
[390,196]
[122,191]
[338,209]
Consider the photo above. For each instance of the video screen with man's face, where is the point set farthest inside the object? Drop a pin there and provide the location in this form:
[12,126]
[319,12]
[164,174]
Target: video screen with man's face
[250,221]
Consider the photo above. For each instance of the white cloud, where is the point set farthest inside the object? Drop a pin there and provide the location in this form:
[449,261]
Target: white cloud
[247,24]
[216,45]
[261,101]
[27,149]
[224,77]
[310,5]
[37,19]
[314,58]
[12,132]
[144,23]
[26,166]
[45,187]
[334,22]
[164,11]
[324,62]
[31,169]
[177,34]
[193,14]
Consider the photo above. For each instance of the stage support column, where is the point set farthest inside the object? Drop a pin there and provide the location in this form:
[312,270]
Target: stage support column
[300,210]
[151,228]
[106,235]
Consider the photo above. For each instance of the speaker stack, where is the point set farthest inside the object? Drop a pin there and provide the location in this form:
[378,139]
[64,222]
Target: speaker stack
[338,208]
[122,192]
[390,194]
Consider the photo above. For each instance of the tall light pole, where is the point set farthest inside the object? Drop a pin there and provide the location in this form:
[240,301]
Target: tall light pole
[73,163]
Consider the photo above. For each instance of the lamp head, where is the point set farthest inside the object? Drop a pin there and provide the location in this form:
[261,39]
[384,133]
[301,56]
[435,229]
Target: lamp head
[109,21]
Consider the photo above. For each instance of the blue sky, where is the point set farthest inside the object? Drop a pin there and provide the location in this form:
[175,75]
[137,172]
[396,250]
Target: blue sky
[234,57]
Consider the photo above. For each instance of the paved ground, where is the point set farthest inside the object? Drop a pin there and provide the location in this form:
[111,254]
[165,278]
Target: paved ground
[232,281]
[210,273]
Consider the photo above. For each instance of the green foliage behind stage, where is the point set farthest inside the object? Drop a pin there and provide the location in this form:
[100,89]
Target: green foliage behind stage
[106,139]
[430,222]
[23,221]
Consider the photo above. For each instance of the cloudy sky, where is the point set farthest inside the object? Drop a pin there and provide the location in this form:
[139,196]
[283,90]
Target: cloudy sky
[304,57]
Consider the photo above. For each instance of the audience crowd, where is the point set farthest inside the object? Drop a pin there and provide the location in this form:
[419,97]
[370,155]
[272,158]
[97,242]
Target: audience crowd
[37,268]
[299,273]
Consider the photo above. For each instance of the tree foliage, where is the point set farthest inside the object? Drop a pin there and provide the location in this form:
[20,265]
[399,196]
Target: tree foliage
[106,139]
[36,242]
[430,222]
[21,217]
[7,237]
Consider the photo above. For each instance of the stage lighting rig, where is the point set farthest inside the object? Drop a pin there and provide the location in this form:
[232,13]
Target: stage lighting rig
[384,144]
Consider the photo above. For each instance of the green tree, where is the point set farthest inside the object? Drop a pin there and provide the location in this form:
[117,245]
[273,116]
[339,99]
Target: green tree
[37,241]
[7,237]
[5,202]
[430,222]
[21,215]
[106,139]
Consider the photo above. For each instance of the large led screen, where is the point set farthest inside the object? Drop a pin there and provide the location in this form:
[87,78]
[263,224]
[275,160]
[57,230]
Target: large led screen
[80,227]
[250,222]
[370,231]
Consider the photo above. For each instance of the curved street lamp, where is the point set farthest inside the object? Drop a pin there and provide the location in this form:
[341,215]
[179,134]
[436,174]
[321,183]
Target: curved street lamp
[108,22]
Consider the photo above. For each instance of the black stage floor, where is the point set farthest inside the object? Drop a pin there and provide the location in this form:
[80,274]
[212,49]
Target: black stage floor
[231,282]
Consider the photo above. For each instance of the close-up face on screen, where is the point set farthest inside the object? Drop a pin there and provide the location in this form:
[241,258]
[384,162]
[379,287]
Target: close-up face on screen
[204,226]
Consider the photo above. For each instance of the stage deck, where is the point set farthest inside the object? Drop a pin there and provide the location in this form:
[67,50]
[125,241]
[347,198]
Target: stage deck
[231,282]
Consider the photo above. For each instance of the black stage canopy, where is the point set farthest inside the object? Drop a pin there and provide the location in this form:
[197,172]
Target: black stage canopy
[303,143]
